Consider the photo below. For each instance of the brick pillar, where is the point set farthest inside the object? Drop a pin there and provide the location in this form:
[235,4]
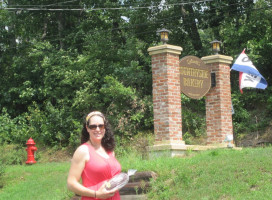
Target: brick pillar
[218,100]
[166,94]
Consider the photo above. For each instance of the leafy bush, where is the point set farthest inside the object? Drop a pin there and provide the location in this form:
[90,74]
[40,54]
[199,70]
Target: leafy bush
[2,171]
[6,126]
[250,112]
[137,144]
[13,130]
[12,154]
[53,126]
[193,118]
[127,112]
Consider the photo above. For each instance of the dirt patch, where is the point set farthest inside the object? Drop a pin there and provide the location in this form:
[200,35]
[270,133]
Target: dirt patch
[51,155]
[256,140]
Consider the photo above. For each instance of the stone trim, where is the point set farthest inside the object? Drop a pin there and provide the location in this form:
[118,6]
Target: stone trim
[166,48]
[217,59]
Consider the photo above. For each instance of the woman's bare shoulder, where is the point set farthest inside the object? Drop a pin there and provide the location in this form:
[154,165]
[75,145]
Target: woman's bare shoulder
[81,152]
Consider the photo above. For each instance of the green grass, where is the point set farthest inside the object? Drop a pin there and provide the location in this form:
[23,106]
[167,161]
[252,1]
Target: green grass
[37,181]
[215,174]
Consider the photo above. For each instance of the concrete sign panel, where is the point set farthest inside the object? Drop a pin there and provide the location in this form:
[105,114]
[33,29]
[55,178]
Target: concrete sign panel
[195,77]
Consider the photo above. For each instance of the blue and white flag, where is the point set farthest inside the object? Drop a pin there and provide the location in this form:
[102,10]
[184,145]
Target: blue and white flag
[249,76]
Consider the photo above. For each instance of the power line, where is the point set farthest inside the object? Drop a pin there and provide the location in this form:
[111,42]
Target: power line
[133,26]
[61,3]
[124,5]
[39,7]
[177,16]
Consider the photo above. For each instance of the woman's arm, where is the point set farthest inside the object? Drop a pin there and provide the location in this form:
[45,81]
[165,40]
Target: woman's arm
[79,159]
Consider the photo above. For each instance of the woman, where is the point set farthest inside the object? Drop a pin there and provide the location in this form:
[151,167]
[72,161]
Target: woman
[94,160]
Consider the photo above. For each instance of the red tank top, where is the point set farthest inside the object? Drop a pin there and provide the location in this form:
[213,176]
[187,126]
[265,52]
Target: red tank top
[98,170]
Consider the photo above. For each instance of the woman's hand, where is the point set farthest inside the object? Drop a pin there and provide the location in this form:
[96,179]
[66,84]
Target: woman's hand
[103,193]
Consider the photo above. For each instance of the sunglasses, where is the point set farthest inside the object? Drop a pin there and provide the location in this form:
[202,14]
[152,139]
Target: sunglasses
[94,127]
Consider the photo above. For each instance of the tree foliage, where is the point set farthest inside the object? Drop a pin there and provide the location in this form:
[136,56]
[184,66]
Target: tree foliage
[62,59]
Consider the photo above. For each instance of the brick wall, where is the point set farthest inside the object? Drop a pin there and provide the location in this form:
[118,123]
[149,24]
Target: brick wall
[166,98]
[218,104]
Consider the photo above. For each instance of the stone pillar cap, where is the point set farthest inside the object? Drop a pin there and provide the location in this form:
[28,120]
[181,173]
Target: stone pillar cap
[217,59]
[166,48]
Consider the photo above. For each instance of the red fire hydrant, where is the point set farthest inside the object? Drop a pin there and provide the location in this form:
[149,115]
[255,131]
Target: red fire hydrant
[30,151]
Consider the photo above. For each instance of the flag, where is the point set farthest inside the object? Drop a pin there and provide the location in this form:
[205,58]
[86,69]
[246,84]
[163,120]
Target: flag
[249,76]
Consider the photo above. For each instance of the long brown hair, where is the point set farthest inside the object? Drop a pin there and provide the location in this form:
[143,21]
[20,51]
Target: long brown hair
[108,141]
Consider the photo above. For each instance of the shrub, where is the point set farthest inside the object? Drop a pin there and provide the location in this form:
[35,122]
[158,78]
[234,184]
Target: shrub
[6,126]
[2,171]
[52,126]
[12,154]
[137,144]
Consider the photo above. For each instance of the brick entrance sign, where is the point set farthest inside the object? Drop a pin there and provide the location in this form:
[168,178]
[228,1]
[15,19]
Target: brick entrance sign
[167,100]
